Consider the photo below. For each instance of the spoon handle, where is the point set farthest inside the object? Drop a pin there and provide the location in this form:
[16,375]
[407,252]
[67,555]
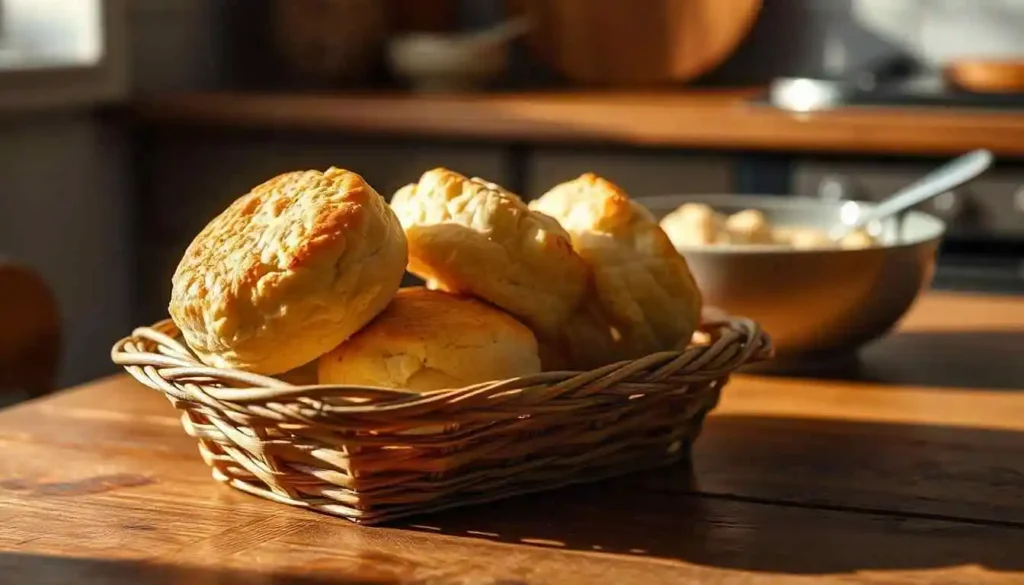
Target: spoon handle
[501,33]
[949,176]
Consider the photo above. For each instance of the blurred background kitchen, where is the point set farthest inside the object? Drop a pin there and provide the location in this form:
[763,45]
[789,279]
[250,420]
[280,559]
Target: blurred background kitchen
[127,124]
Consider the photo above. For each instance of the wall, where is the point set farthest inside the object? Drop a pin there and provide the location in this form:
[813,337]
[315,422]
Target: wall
[68,193]
[65,207]
[63,210]
[810,37]
[193,43]
[176,45]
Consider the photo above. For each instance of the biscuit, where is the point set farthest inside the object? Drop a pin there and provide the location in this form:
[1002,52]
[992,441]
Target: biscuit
[431,340]
[642,297]
[472,237]
[288,271]
[749,227]
[694,224]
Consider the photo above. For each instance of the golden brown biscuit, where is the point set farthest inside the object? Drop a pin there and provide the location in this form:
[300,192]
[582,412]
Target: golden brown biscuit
[431,340]
[472,237]
[749,226]
[694,224]
[643,298]
[288,271]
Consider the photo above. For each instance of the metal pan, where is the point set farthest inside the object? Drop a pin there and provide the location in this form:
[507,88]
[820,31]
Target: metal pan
[805,94]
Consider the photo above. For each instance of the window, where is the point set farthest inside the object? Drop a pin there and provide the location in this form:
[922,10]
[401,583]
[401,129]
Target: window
[61,52]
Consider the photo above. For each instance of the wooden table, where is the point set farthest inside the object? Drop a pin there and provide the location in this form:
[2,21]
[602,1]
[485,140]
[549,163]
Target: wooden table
[912,474]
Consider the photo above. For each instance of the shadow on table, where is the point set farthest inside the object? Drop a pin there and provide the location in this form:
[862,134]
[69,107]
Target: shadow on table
[775,514]
[16,568]
[952,359]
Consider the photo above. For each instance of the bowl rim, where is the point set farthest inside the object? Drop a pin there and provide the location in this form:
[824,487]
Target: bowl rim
[766,201]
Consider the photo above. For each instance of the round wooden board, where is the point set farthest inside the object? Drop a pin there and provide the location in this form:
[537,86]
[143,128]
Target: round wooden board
[635,42]
[987,75]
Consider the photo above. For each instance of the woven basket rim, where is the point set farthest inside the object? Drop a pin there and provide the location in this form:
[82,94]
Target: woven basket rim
[375,454]
[156,351]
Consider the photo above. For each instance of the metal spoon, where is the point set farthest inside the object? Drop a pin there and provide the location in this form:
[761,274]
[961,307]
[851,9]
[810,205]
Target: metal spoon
[949,176]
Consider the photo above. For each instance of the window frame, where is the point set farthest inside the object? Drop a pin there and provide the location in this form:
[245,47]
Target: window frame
[72,85]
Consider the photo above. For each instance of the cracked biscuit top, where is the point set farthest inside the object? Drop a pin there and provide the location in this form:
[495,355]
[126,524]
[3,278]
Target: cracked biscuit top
[288,271]
[469,236]
[642,297]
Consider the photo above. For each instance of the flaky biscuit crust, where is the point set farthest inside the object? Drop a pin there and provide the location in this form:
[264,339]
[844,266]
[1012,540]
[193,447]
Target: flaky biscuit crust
[288,271]
[642,298]
[472,237]
[431,340]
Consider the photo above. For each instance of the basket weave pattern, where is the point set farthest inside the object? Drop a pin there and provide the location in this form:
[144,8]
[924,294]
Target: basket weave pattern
[373,454]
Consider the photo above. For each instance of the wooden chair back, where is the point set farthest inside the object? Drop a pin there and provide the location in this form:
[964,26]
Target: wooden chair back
[30,333]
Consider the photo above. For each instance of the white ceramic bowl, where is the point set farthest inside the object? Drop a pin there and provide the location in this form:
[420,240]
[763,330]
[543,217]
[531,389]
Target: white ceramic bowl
[440,63]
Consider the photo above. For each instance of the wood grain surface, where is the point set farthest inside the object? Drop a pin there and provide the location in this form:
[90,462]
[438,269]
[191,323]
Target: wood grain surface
[854,479]
[686,119]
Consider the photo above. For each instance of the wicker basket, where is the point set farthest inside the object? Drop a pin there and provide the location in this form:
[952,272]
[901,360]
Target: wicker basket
[372,454]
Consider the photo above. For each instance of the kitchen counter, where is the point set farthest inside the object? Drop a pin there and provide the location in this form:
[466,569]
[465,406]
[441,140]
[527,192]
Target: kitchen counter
[908,470]
[724,120]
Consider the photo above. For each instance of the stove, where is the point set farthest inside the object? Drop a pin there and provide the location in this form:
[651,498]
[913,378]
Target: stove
[930,89]
[927,90]
[979,272]
[892,81]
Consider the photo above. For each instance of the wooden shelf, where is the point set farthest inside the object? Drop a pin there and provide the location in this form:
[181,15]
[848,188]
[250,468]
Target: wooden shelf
[704,120]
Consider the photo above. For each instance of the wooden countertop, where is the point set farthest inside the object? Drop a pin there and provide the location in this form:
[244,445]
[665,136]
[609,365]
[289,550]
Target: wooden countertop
[691,119]
[915,477]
